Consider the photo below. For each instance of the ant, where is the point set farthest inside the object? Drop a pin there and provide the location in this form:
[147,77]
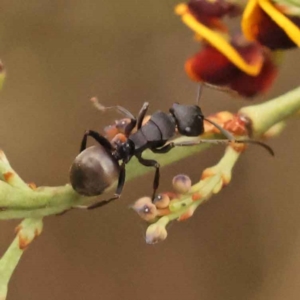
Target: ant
[97,167]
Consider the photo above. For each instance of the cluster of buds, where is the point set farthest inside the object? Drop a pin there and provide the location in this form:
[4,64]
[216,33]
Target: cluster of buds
[245,62]
[159,211]
[182,203]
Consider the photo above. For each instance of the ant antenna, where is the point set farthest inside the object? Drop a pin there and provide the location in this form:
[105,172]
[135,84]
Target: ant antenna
[118,108]
[268,148]
[224,89]
[199,93]
[97,104]
[226,133]
[230,137]
[214,87]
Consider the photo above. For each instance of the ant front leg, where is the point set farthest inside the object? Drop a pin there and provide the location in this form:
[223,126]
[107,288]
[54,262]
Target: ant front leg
[116,196]
[156,165]
[164,149]
[171,145]
[96,136]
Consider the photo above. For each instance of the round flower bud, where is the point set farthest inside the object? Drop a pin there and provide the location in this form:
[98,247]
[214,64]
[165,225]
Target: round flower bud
[182,183]
[145,209]
[156,233]
[161,201]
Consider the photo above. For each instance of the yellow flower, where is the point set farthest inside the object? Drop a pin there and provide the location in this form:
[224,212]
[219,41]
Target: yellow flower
[224,60]
[274,26]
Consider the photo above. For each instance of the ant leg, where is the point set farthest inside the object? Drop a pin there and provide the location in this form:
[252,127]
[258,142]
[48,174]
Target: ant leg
[142,114]
[171,145]
[117,194]
[163,149]
[130,127]
[168,147]
[99,138]
[137,121]
[155,164]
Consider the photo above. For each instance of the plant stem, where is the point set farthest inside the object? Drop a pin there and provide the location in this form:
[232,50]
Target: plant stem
[265,115]
[27,231]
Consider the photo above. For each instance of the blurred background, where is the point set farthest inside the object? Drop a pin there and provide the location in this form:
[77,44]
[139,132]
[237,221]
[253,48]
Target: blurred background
[243,244]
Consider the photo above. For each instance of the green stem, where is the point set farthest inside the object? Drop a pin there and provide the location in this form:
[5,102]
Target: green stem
[44,201]
[28,230]
[264,116]
[21,203]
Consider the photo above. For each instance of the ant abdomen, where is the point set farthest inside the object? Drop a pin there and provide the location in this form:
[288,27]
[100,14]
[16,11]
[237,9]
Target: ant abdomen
[93,170]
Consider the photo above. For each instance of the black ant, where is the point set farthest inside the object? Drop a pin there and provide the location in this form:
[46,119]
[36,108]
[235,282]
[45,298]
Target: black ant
[97,167]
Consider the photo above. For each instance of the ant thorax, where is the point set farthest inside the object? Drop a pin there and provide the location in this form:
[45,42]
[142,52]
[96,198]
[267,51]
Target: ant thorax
[124,151]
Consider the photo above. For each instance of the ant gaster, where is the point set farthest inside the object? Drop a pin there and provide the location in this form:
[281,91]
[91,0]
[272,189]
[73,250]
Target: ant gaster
[97,167]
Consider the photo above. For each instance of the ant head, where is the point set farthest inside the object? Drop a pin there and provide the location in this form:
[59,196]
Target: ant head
[188,118]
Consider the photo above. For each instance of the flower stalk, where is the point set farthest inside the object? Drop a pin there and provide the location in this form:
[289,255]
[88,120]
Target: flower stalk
[27,231]
[263,116]
[184,205]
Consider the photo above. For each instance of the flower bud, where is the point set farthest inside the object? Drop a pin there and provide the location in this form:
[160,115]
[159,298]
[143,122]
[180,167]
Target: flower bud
[156,233]
[161,201]
[145,209]
[182,183]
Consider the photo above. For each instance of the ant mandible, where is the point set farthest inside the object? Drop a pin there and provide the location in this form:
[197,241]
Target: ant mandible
[97,167]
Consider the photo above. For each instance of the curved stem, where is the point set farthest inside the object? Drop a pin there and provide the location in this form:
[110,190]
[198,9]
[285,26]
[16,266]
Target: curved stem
[264,116]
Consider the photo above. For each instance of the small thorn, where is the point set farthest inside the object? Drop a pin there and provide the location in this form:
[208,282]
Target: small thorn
[23,242]
[8,176]
[196,196]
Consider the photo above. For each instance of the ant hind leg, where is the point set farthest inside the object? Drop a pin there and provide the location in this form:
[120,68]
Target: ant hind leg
[155,164]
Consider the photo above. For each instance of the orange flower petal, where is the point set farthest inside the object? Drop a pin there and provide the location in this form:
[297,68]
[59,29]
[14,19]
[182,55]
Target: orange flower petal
[212,66]
[263,22]
[250,86]
[218,41]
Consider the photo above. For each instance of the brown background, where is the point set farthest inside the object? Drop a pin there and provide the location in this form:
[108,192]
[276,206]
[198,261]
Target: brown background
[243,244]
